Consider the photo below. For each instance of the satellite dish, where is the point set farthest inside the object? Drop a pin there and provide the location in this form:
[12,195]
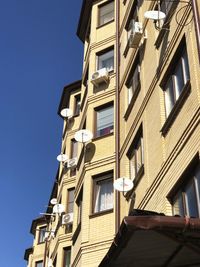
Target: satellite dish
[154,15]
[58,208]
[66,113]
[62,157]
[53,201]
[83,136]
[123,184]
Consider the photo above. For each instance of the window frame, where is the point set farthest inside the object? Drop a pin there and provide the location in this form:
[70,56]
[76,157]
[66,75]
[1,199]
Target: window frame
[106,176]
[96,110]
[130,102]
[39,262]
[103,53]
[41,235]
[180,99]
[190,176]
[65,251]
[77,105]
[101,24]
[132,153]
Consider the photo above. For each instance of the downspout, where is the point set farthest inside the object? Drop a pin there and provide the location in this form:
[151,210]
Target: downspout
[197,24]
[117,120]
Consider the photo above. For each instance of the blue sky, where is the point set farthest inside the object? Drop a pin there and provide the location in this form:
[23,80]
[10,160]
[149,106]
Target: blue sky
[39,54]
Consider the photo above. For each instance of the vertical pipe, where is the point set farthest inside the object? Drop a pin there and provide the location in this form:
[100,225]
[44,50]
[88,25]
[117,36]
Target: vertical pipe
[117,132]
[197,24]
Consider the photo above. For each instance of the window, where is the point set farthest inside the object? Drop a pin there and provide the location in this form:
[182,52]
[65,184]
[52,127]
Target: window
[74,148]
[79,204]
[165,6]
[77,104]
[104,120]
[176,81]
[70,200]
[103,192]
[106,13]
[133,17]
[136,157]
[39,264]
[186,200]
[42,232]
[67,257]
[133,83]
[106,60]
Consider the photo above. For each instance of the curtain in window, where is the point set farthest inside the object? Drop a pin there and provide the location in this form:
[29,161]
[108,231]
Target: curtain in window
[104,121]
[104,195]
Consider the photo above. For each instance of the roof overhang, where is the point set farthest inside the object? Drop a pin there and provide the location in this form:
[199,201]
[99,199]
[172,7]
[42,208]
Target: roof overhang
[28,251]
[36,222]
[155,241]
[84,19]
[67,90]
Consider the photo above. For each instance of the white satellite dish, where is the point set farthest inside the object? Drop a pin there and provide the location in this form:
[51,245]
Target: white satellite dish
[123,184]
[58,209]
[66,113]
[83,136]
[53,201]
[62,157]
[154,15]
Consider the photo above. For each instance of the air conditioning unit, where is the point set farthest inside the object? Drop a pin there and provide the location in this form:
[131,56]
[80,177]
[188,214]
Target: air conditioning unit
[50,263]
[135,34]
[71,163]
[100,76]
[67,218]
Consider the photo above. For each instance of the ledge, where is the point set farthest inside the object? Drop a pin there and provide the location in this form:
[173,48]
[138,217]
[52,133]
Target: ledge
[102,136]
[100,213]
[100,26]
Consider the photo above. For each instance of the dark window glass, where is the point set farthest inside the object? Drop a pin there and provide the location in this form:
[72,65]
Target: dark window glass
[67,257]
[77,105]
[39,264]
[42,232]
[186,201]
[70,200]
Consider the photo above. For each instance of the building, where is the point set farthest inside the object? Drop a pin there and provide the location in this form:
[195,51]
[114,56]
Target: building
[139,96]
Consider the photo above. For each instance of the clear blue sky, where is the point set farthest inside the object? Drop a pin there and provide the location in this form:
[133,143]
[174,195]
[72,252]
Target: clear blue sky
[39,54]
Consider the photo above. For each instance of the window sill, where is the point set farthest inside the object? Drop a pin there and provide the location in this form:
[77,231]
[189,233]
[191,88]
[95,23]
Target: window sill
[130,106]
[100,213]
[76,233]
[100,26]
[102,136]
[176,109]
[135,182]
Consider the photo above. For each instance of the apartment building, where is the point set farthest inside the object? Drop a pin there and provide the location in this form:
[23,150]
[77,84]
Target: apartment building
[134,114]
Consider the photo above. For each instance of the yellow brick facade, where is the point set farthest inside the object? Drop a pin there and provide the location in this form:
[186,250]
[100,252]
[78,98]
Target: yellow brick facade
[170,144]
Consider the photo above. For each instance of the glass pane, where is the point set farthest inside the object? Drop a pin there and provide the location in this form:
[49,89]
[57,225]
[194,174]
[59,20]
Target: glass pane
[186,66]
[139,155]
[179,80]
[178,205]
[169,96]
[39,264]
[67,257]
[74,148]
[104,195]
[105,121]
[132,166]
[191,201]
[197,176]
[106,13]
[106,60]
[42,234]
[70,204]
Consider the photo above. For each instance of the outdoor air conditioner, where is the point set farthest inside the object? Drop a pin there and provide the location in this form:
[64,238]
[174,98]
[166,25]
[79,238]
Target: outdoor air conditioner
[67,218]
[100,76]
[135,34]
[71,163]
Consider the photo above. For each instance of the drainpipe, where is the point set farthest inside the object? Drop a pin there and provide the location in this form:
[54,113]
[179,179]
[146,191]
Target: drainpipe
[117,130]
[197,24]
